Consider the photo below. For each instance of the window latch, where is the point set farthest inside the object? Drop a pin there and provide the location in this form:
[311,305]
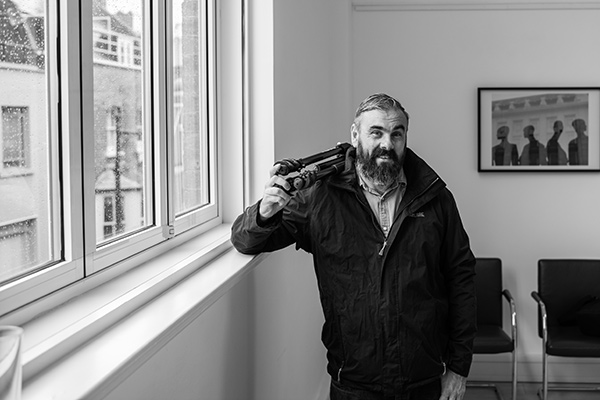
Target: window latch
[169,231]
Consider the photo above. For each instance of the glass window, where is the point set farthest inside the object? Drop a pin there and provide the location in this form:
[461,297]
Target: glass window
[123,156]
[190,108]
[18,246]
[29,228]
[121,168]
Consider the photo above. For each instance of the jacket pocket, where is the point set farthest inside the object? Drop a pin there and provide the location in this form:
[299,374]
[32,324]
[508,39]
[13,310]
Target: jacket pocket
[427,363]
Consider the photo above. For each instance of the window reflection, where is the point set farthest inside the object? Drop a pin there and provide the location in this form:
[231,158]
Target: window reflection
[27,229]
[119,132]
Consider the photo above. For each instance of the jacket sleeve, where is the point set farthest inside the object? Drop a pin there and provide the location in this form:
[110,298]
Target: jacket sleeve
[250,236]
[460,281]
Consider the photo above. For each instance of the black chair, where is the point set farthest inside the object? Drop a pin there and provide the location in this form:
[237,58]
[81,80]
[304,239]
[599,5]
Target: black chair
[561,285]
[491,337]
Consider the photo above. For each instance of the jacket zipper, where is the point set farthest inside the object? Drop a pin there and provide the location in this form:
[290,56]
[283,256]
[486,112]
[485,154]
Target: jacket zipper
[339,374]
[408,205]
[384,245]
[383,248]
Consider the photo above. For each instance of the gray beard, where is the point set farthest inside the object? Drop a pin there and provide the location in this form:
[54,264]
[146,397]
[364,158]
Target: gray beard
[382,175]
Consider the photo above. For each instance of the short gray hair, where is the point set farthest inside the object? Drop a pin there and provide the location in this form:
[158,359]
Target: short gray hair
[380,101]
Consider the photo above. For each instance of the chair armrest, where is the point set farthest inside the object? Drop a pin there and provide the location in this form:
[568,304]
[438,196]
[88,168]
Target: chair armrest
[513,314]
[544,314]
[507,295]
[536,297]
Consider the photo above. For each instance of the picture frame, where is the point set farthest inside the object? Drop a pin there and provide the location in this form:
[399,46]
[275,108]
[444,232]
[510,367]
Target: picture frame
[538,129]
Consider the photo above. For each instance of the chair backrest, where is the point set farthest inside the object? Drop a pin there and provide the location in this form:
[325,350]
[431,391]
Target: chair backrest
[488,286]
[562,283]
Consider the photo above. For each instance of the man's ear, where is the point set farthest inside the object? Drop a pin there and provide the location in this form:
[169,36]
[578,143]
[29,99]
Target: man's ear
[354,135]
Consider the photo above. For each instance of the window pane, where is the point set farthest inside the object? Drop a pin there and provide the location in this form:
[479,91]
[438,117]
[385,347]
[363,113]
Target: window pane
[27,226]
[189,122]
[121,164]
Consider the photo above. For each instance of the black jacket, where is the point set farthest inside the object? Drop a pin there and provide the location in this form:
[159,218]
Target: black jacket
[397,311]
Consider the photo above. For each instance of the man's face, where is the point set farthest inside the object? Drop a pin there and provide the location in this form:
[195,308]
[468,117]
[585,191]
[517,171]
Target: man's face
[380,139]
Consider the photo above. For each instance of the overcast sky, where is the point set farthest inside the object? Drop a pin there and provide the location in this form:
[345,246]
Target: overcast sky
[30,6]
[112,6]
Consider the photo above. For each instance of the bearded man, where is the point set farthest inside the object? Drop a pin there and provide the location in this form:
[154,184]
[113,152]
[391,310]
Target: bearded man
[394,267]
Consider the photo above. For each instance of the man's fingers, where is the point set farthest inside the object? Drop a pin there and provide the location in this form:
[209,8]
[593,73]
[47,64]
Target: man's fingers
[453,386]
[277,194]
[274,199]
[279,183]
[275,169]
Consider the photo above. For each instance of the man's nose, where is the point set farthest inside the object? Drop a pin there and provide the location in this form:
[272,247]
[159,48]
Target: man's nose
[386,142]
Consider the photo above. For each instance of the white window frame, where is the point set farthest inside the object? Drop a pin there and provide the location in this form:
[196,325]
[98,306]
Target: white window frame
[166,225]
[65,207]
[81,257]
[209,212]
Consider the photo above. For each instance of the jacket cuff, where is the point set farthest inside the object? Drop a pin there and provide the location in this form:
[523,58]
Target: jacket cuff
[459,372]
[460,366]
[266,223]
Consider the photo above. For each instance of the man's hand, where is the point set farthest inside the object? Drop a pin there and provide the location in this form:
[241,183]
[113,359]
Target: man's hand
[275,196]
[453,386]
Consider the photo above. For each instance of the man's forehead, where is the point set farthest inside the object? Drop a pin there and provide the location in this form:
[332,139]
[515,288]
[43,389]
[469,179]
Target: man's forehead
[388,117]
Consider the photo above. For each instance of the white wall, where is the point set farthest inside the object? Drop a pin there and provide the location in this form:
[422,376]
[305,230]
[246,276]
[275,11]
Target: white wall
[212,358]
[433,59]
[261,340]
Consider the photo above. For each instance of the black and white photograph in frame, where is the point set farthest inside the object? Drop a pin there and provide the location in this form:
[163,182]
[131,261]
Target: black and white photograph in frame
[538,129]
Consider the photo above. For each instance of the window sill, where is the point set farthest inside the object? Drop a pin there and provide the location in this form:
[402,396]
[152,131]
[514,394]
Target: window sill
[117,326]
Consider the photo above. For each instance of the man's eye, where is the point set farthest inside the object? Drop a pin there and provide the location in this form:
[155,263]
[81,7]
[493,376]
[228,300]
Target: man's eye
[375,133]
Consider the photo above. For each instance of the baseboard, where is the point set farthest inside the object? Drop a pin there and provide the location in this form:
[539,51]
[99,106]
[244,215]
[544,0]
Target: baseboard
[560,369]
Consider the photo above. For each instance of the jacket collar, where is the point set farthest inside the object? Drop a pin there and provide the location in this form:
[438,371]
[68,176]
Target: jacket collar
[420,176]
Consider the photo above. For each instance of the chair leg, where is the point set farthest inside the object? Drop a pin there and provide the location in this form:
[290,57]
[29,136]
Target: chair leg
[543,392]
[545,374]
[514,375]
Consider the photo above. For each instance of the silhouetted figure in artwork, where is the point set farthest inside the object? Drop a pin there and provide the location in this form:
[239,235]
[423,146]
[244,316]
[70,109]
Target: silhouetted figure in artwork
[556,154]
[504,153]
[578,147]
[534,153]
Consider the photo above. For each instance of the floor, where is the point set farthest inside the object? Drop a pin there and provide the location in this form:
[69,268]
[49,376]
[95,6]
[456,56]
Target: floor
[528,391]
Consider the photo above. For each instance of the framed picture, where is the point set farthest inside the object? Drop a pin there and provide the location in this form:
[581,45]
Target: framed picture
[538,129]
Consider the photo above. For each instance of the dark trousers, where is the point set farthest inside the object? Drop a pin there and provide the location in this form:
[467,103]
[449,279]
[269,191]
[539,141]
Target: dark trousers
[430,391]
